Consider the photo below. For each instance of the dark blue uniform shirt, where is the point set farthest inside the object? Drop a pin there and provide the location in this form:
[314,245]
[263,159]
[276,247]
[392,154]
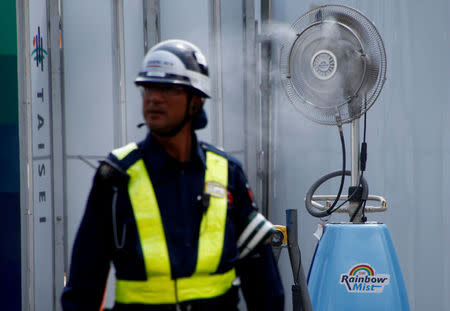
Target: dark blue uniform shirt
[178,188]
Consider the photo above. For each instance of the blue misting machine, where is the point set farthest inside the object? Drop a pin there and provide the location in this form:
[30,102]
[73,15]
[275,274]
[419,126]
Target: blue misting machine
[333,70]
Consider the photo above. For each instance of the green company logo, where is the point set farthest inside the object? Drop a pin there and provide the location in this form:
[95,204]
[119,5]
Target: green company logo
[38,51]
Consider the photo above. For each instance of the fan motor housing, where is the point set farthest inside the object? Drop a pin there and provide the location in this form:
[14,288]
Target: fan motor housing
[323,64]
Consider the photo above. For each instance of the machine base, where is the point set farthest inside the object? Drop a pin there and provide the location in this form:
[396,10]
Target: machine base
[355,267]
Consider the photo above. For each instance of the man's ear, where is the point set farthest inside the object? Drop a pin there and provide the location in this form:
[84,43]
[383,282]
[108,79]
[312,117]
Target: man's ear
[197,104]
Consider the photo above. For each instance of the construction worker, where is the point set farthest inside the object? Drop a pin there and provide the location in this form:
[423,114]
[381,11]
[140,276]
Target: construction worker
[174,215]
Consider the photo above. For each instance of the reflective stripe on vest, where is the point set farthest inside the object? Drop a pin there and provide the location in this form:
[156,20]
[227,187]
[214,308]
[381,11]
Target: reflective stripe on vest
[159,288]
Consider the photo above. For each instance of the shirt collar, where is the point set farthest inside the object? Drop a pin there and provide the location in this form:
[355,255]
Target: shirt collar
[158,158]
[199,152]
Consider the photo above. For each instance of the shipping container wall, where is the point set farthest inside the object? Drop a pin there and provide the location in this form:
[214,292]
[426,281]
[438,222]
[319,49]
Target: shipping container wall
[101,51]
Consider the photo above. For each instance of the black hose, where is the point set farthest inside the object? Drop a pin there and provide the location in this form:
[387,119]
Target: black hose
[363,199]
[341,173]
[308,200]
[361,203]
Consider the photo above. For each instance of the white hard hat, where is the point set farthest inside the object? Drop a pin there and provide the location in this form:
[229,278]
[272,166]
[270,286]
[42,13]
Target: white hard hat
[177,62]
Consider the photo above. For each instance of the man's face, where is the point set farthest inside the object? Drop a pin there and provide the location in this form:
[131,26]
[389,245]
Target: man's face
[163,106]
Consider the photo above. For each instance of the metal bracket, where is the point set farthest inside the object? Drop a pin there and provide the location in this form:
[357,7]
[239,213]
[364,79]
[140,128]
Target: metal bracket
[345,209]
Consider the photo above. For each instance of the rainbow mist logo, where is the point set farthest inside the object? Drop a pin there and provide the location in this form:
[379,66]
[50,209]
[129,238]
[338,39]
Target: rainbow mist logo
[362,279]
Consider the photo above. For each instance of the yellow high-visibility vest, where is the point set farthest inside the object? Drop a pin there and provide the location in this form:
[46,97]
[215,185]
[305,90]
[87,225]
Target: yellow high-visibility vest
[159,288]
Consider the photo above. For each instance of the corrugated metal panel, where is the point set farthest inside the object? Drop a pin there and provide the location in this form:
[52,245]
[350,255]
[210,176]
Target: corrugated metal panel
[88,77]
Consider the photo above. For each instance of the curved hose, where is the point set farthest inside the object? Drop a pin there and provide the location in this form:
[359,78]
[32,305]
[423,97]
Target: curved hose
[341,173]
[318,213]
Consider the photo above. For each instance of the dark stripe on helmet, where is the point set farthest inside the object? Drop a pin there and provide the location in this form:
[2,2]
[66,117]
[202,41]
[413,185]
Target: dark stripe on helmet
[186,55]
[144,78]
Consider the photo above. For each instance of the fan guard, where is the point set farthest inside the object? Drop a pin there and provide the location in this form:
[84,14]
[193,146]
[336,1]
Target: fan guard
[335,66]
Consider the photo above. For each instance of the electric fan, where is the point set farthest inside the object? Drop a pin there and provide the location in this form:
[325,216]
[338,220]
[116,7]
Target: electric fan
[333,71]
[335,68]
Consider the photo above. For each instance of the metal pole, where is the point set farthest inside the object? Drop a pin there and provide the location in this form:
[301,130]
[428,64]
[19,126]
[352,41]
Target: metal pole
[120,135]
[300,295]
[355,151]
[265,153]
[354,135]
[251,96]
[216,64]
[25,132]
[151,23]
[57,134]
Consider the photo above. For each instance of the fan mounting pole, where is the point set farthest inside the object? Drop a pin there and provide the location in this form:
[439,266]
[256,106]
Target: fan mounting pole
[354,136]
